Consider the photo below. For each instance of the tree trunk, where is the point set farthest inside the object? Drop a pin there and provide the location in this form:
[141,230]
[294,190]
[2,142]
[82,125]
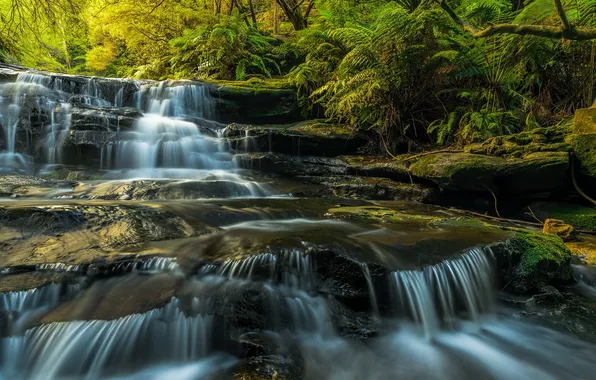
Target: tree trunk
[252,14]
[275,17]
[292,10]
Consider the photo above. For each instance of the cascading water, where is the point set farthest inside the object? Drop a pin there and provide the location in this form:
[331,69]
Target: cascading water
[167,136]
[442,294]
[42,98]
[96,349]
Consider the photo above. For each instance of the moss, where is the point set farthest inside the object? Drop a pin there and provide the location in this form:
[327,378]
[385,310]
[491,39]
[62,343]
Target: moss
[580,217]
[377,213]
[550,139]
[585,120]
[584,147]
[321,129]
[539,260]
[254,85]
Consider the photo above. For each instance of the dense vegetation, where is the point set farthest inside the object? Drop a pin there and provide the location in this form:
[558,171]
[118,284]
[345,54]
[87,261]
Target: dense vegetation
[428,70]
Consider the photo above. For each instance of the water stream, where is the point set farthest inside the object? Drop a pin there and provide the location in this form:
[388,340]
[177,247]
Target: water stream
[248,280]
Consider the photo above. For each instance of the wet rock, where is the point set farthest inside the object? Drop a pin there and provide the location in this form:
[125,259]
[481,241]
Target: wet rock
[79,234]
[118,297]
[371,188]
[84,118]
[162,190]
[559,228]
[313,137]
[20,185]
[381,167]
[291,165]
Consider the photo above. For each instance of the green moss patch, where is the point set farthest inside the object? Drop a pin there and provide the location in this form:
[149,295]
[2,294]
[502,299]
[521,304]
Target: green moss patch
[580,217]
[536,260]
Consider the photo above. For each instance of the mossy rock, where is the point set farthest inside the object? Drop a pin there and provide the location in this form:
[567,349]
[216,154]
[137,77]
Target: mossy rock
[584,147]
[585,120]
[579,216]
[381,167]
[532,260]
[255,101]
[550,139]
[311,137]
[537,172]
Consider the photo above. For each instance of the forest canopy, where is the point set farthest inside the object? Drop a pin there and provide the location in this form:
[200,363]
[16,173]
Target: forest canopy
[428,70]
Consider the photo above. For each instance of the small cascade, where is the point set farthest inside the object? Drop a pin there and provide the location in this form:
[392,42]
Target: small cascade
[262,265]
[22,306]
[442,294]
[291,268]
[157,265]
[119,100]
[297,269]
[96,349]
[30,299]
[176,101]
[59,267]
[371,291]
[302,312]
[249,143]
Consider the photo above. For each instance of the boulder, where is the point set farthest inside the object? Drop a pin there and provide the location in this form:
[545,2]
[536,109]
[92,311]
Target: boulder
[80,234]
[534,173]
[559,228]
[529,260]
[313,137]
[377,167]
[551,139]
[254,101]
[291,165]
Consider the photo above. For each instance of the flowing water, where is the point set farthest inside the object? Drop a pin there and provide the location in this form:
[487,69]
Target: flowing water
[268,282]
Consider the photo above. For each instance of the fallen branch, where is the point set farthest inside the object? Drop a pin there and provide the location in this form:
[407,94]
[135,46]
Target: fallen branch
[567,31]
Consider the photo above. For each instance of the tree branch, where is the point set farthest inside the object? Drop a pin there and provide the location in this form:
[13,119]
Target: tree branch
[464,24]
[568,31]
[562,14]
[539,31]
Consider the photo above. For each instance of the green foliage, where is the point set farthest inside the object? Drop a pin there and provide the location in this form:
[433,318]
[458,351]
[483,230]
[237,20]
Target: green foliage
[227,50]
[402,68]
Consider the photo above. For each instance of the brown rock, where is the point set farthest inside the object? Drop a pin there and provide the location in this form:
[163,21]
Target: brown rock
[559,228]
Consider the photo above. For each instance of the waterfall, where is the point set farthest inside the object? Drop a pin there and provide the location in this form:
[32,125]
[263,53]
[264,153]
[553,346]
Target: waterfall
[45,98]
[168,136]
[290,268]
[442,294]
[95,349]
[26,300]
